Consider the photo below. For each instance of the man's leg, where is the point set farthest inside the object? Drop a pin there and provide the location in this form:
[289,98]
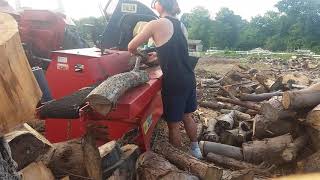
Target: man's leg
[174,134]
[190,126]
[191,129]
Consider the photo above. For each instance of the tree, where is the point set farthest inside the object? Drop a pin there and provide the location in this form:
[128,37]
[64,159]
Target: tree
[199,25]
[227,28]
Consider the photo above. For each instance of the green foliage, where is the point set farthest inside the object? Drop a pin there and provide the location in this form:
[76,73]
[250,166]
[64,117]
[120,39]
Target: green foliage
[296,25]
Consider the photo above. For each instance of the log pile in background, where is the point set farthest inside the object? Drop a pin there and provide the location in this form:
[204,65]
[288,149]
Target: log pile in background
[264,118]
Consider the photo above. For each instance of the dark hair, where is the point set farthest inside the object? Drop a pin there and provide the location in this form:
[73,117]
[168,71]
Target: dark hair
[171,6]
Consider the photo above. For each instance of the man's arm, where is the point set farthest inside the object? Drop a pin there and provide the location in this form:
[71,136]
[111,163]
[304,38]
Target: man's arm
[142,37]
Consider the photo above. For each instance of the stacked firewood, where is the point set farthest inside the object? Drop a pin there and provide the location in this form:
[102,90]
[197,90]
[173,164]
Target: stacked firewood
[266,120]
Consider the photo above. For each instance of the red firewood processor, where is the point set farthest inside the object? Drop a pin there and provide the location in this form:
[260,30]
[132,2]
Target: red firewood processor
[73,74]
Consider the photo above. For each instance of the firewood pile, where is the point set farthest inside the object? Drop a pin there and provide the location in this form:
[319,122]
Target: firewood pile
[267,119]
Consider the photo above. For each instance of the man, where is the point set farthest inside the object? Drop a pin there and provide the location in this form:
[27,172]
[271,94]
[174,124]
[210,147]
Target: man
[179,83]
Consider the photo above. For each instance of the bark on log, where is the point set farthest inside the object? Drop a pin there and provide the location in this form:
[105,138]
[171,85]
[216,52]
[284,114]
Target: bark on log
[77,159]
[27,145]
[210,133]
[8,168]
[37,171]
[259,97]
[311,163]
[274,110]
[314,135]
[313,118]
[240,103]
[151,166]
[66,107]
[265,128]
[186,162]
[267,150]
[291,152]
[306,98]
[110,154]
[221,149]
[214,105]
[19,90]
[233,137]
[228,162]
[103,98]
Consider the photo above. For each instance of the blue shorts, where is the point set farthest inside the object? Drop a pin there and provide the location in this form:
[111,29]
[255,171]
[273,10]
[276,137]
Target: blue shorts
[175,106]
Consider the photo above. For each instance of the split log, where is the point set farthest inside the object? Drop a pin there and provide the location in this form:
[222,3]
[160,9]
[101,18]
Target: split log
[8,168]
[210,133]
[301,177]
[274,110]
[66,107]
[240,103]
[110,154]
[228,162]
[151,166]
[19,90]
[77,159]
[264,81]
[284,82]
[259,97]
[103,98]
[187,162]
[125,168]
[301,99]
[27,145]
[265,128]
[37,171]
[291,152]
[214,105]
[268,150]
[225,122]
[221,149]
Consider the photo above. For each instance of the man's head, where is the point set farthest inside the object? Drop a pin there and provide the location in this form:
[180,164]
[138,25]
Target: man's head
[166,6]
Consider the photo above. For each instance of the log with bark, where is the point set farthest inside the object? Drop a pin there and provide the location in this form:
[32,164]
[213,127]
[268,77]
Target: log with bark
[221,149]
[151,166]
[66,107]
[265,128]
[240,175]
[228,162]
[27,145]
[264,81]
[187,162]
[240,116]
[291,152]
[259,97]
[302,99]
[245,104]
[313,129]
[215,105]
[311,163]
[274,110]
[19,90]
[103,98]
[284,82]
[268,150]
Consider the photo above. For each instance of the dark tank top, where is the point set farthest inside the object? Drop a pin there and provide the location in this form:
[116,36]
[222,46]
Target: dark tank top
[178,73]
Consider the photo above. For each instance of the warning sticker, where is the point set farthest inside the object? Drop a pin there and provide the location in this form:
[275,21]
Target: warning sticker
[147,124]
[62,67]
[62,59]
[129,8]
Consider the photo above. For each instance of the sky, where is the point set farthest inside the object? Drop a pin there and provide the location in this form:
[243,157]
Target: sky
[83,8]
